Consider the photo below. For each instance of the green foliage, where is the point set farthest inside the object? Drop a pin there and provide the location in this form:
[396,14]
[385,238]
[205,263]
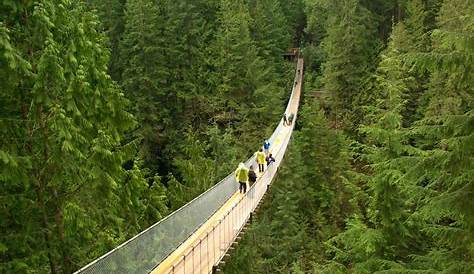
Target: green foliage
[317,12]
[371,247]
[269,29]
[419,179]
[445,135]
[410,209]
[111,14]
[415,21]
[84,167]
[310,194]
[79,173]
[293,10]
[65,194]
[247,93]
[349,48]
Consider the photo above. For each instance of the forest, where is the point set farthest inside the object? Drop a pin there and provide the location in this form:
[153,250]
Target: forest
[115,113]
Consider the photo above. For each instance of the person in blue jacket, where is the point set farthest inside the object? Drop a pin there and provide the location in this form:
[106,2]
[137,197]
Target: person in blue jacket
[266,147]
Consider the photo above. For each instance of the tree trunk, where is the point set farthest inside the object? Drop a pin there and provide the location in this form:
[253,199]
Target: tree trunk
[45,229]
[64,248]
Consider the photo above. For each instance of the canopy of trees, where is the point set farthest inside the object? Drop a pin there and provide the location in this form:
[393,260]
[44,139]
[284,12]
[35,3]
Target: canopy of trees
[379,178]
[114,113]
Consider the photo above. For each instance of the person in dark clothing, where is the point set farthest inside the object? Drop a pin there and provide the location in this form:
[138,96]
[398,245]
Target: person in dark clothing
[269,159]
[290,119]
[252,176]
[285,120]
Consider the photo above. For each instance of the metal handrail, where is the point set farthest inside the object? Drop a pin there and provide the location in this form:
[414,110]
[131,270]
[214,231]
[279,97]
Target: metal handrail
[89,267]
[181,266]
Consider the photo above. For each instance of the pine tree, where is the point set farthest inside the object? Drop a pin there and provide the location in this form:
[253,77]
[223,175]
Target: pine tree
[166,74]
[385,14]
[246,94]
[445,135]
[196,171]
[385,232]
[324,183]
[111,14]
[293,10]
[141,54]
[269,29]
[317,13]
[418,41]
[63,119]
[416,17]
[386,142]
[349,49]
[236,51]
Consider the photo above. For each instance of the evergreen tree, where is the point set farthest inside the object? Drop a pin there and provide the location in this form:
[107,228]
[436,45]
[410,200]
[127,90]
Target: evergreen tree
[166,73]
[293,10]
[63,184]
[143,74]
[385,234]
[384,13]
[349,49]
[417,38]
[317,13]
[111,14]
[416,17]
[269,30]
[246,95]
[419,214]
[386,140]
[306,205]
[445,135]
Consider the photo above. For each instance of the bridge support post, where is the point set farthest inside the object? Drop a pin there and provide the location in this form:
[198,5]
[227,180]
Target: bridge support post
[214,269]
[251,217]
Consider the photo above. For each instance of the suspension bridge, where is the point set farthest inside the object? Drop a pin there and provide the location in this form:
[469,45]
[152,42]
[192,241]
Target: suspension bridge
[197,237]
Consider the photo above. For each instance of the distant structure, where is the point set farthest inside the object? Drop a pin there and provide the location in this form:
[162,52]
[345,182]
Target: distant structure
[292,54]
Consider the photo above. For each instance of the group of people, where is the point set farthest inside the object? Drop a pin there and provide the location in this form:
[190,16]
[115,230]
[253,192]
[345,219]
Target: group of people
[244,174]
[263,155]
[287,121]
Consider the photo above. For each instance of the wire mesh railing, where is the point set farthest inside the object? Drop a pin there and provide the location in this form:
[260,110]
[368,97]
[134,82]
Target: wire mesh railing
[142,253]
[212,244]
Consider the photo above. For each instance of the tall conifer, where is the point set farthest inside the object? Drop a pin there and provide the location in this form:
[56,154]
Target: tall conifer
[446,136]
[61,158]
[349,49]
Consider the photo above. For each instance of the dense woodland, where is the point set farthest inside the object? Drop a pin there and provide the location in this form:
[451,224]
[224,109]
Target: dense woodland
[379,176]
[114,113]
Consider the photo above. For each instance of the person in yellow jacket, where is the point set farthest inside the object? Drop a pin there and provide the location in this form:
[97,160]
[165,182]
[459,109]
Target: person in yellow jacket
[260,155]
[242,176]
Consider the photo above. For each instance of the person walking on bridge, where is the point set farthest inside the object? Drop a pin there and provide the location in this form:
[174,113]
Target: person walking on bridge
[252,176]
[266,147]
[269,159]
[285,120]
[260,160]
[290,118]
[242,176]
